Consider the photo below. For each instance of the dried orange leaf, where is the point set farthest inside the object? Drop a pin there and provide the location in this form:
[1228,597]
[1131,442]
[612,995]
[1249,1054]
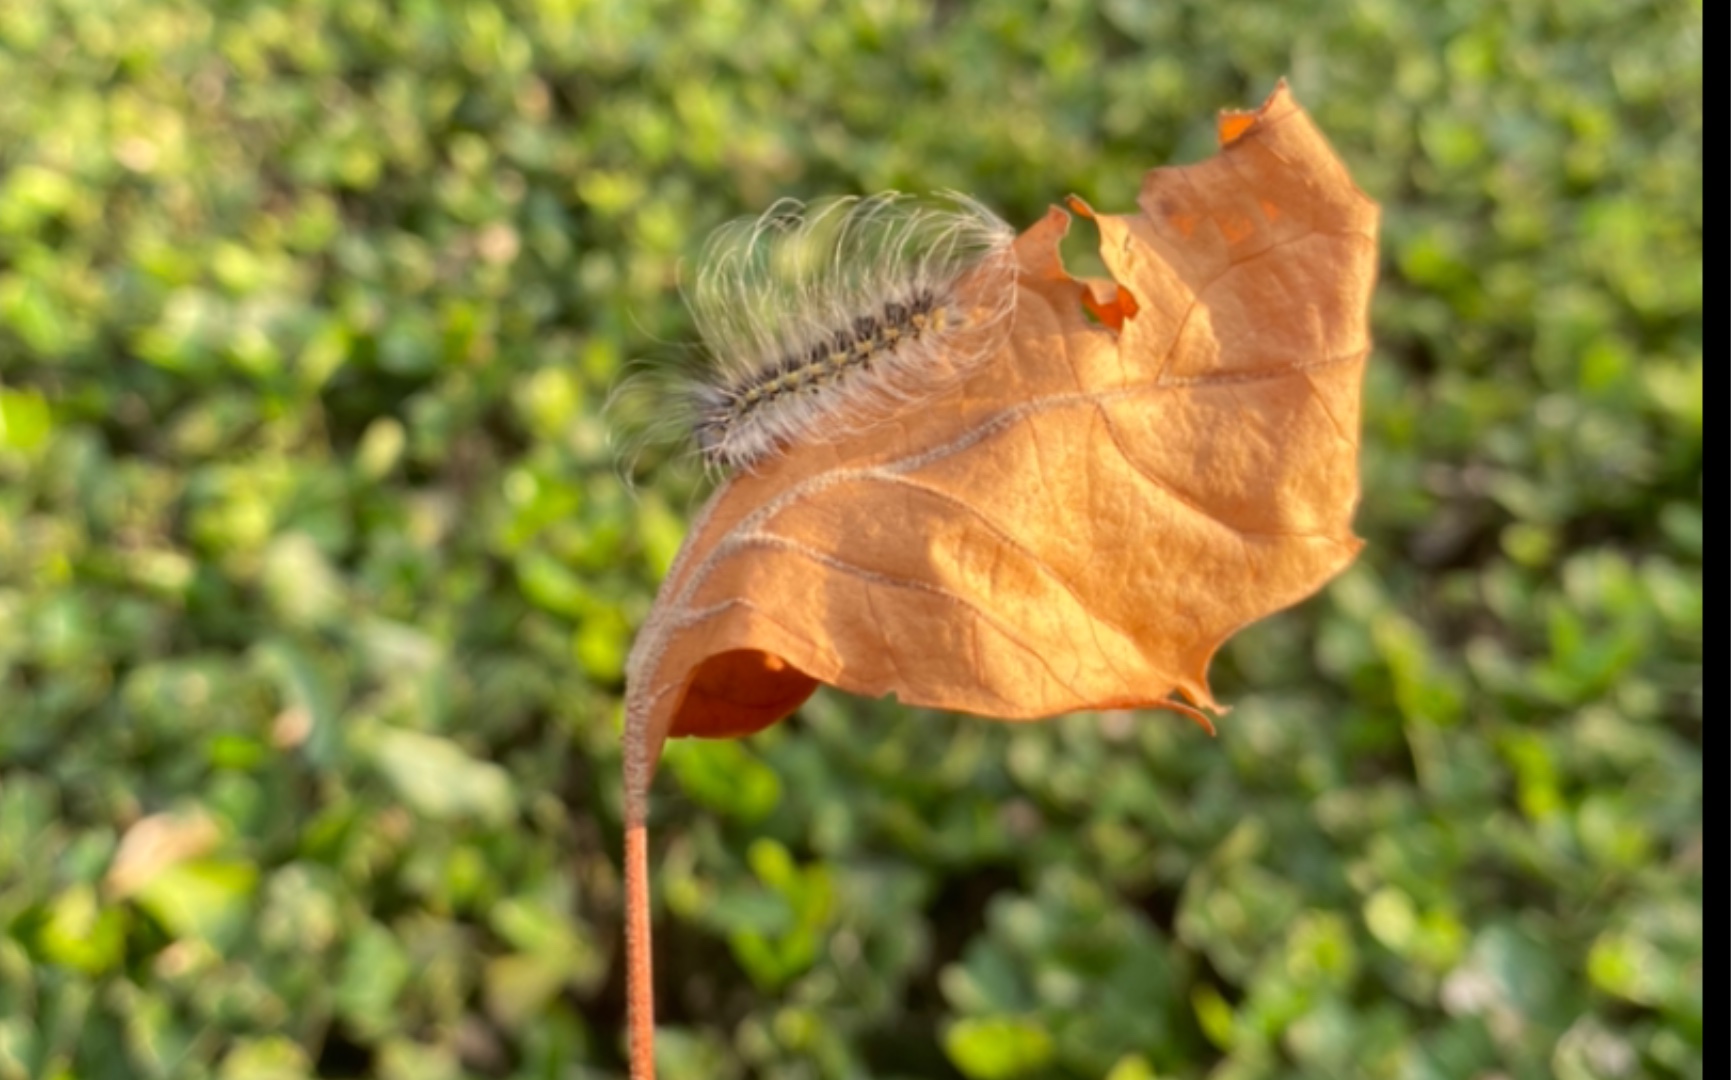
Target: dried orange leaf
[1082,522]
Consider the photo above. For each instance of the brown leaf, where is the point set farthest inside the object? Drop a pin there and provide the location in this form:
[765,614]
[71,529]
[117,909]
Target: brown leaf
[1083,522]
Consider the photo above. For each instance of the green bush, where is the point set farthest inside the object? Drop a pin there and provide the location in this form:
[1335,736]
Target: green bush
[317,575]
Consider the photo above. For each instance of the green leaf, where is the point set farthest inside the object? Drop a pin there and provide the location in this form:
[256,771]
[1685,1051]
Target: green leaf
[441,781]
[998,1048]
[206,899]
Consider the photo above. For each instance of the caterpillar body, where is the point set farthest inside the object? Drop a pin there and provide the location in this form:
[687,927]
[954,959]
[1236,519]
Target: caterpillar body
[820,321]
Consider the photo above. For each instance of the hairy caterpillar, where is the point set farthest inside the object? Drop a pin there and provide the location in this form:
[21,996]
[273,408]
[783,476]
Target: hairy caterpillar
[821,321]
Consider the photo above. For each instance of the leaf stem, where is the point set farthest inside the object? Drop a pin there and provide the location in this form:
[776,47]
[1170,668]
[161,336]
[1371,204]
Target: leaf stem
[639,955]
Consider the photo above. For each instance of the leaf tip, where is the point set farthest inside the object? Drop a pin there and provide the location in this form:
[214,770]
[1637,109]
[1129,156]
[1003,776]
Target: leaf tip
[1190,712]
[1235,124]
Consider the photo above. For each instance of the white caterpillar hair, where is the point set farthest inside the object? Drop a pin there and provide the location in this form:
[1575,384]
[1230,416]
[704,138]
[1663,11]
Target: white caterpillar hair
[819,321]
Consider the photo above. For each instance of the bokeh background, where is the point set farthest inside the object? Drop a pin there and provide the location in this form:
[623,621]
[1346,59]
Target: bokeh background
[317,574]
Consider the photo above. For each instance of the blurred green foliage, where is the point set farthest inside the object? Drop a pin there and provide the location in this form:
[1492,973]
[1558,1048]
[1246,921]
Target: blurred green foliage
[316,575]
